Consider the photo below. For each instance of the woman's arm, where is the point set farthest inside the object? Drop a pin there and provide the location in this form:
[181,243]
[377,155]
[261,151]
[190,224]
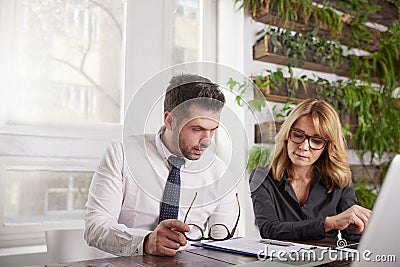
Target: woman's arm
[351,218]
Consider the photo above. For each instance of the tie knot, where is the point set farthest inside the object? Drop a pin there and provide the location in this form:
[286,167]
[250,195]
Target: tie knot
[175,161]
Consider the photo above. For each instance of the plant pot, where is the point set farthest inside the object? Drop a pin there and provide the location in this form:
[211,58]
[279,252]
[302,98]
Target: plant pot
[262,51]
[265,132]
[270,17]
[369,172]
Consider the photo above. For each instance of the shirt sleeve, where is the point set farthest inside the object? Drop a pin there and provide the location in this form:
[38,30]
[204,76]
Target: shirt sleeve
[347,200]
[270,226]
[103,208]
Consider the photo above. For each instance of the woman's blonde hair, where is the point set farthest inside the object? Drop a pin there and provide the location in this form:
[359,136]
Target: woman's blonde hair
[333,163]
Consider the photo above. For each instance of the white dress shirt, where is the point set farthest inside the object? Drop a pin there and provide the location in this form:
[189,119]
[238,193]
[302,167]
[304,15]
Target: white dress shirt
[125,195]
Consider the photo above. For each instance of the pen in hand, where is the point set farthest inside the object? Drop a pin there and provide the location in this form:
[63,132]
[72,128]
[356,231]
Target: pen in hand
[276,242]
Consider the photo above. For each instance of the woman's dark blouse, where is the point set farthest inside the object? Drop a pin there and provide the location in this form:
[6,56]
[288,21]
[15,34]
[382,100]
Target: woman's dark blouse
[280,216]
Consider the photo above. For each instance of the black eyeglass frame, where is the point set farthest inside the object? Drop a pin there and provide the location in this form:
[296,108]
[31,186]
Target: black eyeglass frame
[308,137]
[229,235]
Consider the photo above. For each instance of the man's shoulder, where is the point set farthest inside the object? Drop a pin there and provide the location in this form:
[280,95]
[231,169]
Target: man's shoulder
[137,139]
[132,141]
[219,161]
[115,145]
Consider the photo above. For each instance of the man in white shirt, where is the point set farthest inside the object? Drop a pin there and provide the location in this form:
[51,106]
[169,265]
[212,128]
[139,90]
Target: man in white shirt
[126,193]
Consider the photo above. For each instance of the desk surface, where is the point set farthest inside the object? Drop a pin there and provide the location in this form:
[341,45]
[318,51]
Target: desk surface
[192,257]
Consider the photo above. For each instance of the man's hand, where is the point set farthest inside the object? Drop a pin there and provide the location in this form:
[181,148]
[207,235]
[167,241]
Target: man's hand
[355,217]
[166,239]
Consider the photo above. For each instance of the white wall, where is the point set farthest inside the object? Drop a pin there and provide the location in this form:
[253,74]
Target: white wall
[144,51]
[233,51]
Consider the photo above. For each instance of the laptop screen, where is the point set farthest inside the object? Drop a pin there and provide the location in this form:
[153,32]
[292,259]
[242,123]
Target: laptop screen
[379,245]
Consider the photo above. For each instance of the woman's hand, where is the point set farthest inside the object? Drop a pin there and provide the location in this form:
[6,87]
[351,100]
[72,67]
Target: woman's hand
[355,217]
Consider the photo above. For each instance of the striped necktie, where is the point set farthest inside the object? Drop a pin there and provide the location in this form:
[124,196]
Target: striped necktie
[170,202]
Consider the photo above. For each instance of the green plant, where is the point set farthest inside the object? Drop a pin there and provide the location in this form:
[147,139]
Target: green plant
[397,5]
[284,112]
[291,45]
[290,11]
[293,83]
[359,11]
[328,51]
[289,14]
[383,64]
[323,16]
[366,192]
[327,18]
[346,131]
[378,116]
[295,46]
[240,89]
[272,79]
[386,61]
[259,156]
[360,67]
[275,81]
[250,5]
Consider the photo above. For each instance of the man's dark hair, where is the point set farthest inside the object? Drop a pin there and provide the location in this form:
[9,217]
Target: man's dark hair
[185,88]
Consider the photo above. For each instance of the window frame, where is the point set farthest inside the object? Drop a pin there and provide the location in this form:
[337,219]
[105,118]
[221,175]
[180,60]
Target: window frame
[33,234]
[90,141]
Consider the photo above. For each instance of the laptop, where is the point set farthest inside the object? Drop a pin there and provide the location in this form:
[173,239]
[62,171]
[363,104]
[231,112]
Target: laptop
[379,245]
[380,241]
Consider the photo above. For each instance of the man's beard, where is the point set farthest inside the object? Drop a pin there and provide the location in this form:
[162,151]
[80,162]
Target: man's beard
[185,150]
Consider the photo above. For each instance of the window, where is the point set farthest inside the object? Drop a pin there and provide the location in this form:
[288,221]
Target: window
[186,41]
[192,33]
[58,195]
[69,61]
[64,103]
[63,97]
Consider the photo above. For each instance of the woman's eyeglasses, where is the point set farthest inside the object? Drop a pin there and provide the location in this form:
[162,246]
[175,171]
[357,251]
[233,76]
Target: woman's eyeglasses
[315,142]
[217,232]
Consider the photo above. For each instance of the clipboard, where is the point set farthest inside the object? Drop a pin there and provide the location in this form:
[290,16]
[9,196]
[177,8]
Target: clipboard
[210,245]
[251,246]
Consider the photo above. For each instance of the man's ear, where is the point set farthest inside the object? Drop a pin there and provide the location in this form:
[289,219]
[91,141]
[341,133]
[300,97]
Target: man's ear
[169,119]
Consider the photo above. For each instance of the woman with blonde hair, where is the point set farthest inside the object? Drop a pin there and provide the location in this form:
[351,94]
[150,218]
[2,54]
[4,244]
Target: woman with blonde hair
[308,194]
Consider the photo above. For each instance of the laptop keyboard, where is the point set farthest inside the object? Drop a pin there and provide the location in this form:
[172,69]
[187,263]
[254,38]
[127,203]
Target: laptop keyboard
[338,263]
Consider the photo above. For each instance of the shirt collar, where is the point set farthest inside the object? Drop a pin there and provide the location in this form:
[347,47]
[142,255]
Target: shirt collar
[317,178]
